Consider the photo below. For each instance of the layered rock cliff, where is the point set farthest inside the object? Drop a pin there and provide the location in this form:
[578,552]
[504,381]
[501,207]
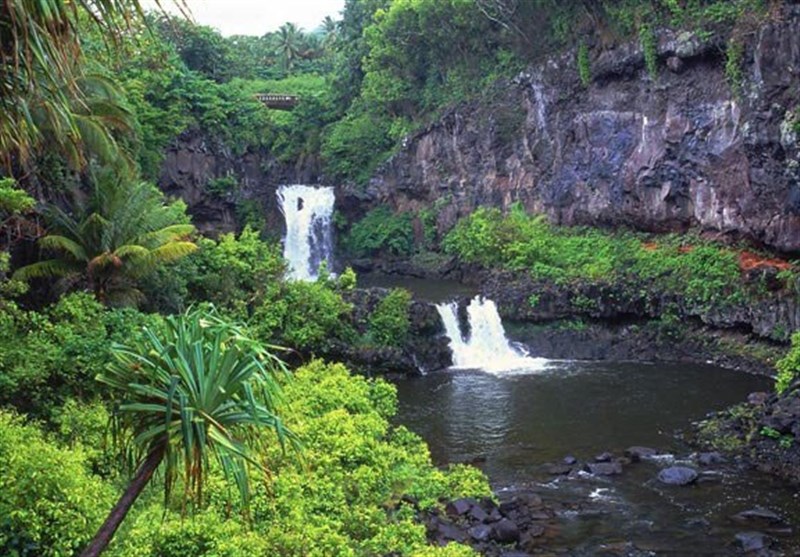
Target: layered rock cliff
[686,148]
[194,161]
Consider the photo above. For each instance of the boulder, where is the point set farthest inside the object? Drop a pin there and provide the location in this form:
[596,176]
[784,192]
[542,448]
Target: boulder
[505,531]
[638,453]
[751,541]
[677,475]
[604,468]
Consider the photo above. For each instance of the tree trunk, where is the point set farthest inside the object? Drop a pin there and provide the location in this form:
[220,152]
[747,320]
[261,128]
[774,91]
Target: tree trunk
[120,510]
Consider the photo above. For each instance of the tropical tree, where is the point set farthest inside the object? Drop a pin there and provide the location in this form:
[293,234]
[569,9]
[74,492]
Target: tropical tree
[290,47]
[196,394]
[121,233]
[39,66]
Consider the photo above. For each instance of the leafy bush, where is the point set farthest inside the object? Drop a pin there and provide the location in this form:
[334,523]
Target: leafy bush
[381,231]
[702,272]
[345,499]
[233,273]
[307,316]
[50,505]
[788,366]
[389,323]
[47,357]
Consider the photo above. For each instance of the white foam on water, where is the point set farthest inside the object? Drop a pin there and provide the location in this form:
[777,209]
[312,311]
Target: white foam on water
[487,348]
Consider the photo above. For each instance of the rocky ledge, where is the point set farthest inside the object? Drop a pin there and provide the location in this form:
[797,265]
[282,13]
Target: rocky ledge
[763,432]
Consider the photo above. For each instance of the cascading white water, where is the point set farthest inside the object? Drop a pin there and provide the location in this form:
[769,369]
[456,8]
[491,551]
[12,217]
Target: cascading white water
[309,234]
[487,347]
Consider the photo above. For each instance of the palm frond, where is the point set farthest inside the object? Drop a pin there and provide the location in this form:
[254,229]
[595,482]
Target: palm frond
[45,269]
[64,245]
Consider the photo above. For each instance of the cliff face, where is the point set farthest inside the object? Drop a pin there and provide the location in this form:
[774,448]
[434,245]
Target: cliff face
[194,161]
[681,150]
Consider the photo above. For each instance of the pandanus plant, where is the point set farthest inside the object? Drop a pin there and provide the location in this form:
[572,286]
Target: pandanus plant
[194,391]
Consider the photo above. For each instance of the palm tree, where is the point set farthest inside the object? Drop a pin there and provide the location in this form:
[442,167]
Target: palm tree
[196,390]
[120,234]
[39,65]
[289,44]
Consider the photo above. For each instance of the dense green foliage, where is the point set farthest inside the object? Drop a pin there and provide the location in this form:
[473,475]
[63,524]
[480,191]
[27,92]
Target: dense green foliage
[47,357]
[389,323]
[703,273]
[306,316]
[789,366]
[380,230]
[50,503]
[344,499]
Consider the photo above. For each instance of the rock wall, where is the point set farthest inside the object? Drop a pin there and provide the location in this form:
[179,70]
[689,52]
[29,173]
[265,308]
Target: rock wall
[667,153]
[194,160]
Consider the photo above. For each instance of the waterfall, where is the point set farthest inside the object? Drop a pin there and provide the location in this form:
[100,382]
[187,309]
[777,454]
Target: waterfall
[487,347]
[309,234]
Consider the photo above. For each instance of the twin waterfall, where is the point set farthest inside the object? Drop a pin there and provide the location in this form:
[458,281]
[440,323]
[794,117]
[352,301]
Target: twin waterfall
[486,348]
[309,244]
[309,234]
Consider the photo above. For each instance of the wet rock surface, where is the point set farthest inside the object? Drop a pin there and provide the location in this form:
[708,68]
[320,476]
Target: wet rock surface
[763,433]
[513,526]
[677,475]
[537,520]
[679,152]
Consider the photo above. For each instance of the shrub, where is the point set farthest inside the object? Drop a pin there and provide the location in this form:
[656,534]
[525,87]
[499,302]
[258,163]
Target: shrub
[345,499]
[234,272]
[389,323]
[50,356]
[788,366]
[703,273]
[307,316]
[50,505]
[381,231]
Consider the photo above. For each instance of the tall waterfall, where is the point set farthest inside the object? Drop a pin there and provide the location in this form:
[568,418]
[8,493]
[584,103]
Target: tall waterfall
[309,235]
[487,347]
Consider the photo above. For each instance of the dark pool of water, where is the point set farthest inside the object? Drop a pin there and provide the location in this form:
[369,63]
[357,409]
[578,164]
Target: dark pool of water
[512,425]
[426,290]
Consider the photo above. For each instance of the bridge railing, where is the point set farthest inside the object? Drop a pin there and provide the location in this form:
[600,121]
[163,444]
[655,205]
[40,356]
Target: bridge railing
[272,100]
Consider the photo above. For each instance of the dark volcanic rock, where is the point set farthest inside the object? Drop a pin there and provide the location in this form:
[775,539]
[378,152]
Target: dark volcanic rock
[481,532]
[758,515]
[709,459]
[677,475]
[459,506]
[638,453]
[505,531]
[604,468]
[683,151]
[603,457]
[751,541]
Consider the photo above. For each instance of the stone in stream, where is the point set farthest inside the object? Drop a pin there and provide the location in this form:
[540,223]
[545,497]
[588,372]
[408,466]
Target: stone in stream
[708,459]
[677,475]
[757,399]
[558,469]
[758,514]
[751,541]
[604,457]
[505,531]
[604,468]
[570,460]
[639,453]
